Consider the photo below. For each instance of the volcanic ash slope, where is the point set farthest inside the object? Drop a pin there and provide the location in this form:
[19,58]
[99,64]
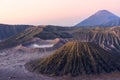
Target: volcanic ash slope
[76,58]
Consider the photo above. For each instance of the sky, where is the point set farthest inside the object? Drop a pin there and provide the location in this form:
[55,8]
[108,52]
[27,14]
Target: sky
[53,12]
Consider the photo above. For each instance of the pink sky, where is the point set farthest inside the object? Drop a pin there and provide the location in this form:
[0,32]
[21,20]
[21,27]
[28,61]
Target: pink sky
[54,12]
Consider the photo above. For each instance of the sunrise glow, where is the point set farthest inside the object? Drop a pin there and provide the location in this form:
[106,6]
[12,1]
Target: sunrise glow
[54,12]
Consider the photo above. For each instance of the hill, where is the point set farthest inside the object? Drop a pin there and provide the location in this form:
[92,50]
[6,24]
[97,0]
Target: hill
[43,32]
[9,30]
[76,58]
[20,38]
[107,38]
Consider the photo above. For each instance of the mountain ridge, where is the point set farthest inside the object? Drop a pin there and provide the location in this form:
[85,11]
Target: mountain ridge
[9,30]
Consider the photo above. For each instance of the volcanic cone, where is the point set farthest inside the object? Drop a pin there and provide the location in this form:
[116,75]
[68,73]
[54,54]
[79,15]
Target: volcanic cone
[76,58]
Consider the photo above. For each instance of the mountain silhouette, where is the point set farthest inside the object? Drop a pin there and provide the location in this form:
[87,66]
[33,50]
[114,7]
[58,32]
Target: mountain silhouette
[115,22]
[100,18]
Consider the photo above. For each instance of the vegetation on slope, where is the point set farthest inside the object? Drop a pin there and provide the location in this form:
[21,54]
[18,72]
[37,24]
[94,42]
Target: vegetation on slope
[47,32]
[23,37]
[9,30]
[76,58]
[52,32]
[108,38]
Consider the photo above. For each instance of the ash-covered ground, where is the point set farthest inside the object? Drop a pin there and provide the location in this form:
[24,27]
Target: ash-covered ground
[12,67]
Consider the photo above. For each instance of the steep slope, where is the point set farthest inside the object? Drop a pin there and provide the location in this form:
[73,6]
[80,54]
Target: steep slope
[116,30]
[115,22]
[108,38]
[9,30]
[52,32]
[42,32]
[98,19]
[20,38]
[76,58]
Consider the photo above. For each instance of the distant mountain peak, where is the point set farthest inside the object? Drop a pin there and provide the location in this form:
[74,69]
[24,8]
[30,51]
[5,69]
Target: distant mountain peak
[103,11]
[99,18]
